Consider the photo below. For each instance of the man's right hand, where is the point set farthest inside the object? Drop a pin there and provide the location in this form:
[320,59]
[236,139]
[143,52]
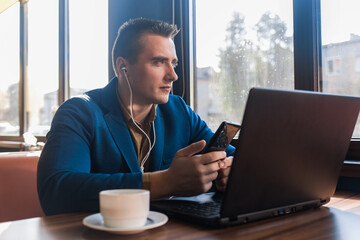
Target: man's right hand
[188,174]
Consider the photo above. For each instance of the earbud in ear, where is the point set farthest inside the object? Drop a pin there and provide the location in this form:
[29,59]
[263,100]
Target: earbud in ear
[123,68]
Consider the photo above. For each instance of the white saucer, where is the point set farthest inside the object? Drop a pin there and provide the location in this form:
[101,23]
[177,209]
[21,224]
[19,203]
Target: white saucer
[154,219]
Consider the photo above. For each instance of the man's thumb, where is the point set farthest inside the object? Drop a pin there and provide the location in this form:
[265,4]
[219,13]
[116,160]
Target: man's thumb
[191,149]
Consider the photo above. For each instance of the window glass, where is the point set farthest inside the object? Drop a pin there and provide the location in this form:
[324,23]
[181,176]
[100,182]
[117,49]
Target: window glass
[41,94]
[88,23]
[239,45]
[357,64]
[9,71]
[341,48]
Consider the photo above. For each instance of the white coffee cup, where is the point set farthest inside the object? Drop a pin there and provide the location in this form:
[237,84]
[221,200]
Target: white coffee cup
[124,208]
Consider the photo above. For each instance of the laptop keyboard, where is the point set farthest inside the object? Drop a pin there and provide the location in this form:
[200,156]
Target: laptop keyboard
[207,209]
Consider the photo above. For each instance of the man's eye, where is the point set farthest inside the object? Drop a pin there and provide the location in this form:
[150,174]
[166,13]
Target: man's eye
[175,64]
[160,61]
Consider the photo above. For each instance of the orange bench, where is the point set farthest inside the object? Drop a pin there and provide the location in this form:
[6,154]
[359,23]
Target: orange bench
[18,191]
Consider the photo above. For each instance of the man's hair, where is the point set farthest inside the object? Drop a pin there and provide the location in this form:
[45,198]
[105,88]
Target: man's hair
[128,43]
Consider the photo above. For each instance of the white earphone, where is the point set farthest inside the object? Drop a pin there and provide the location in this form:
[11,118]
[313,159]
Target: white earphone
[123,68]
[143,161]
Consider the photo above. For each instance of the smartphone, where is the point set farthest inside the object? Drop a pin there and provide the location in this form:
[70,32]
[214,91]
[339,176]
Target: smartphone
[222,137]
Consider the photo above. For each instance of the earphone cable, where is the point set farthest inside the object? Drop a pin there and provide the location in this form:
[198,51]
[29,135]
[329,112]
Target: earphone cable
[151,146]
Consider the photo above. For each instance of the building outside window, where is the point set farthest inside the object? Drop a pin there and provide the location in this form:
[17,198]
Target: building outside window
[333,66]
[357,64]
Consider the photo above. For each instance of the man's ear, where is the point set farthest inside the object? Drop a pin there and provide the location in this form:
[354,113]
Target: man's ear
[120,63]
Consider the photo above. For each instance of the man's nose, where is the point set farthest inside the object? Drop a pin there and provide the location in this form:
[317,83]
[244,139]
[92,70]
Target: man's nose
[172,74]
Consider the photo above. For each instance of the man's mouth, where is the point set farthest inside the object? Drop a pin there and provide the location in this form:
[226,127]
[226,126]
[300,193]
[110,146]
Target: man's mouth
[166,88]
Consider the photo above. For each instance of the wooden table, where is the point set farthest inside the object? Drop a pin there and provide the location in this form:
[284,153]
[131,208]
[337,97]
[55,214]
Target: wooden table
[339,219]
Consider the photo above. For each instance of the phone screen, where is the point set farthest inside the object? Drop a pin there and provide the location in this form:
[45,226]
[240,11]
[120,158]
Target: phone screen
[222,137]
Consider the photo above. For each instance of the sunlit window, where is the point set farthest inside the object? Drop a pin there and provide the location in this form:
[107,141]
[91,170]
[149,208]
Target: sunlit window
[9,71]
[239,45]
[41,94]
[88,45]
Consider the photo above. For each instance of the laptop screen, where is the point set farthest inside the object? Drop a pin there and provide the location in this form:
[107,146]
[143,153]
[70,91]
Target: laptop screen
[291,148]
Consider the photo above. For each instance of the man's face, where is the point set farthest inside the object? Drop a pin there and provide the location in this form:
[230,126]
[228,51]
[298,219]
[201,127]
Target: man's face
[152,75]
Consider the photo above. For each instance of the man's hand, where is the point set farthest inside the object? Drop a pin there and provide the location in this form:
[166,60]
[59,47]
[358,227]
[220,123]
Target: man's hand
[223,173]
[188,174]
[193,174]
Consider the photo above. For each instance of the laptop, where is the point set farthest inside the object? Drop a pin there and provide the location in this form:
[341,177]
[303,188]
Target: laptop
[288,158]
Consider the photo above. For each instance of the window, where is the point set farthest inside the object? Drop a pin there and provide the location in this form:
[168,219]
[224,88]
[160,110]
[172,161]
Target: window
[38,87]
[240,45]
[88,45]
[308,60]
[341,48]
[333,66]
[9,71]
[43,65]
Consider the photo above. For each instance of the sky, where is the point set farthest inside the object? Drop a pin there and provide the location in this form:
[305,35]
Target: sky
[339,19]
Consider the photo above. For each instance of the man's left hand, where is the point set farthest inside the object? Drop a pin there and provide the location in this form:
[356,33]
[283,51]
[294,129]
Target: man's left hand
[223,173]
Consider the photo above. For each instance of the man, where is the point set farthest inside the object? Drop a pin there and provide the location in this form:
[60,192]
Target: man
[130,134]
